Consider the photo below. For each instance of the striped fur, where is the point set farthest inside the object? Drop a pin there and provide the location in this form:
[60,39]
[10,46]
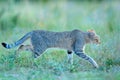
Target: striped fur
[72,41]
[24,38]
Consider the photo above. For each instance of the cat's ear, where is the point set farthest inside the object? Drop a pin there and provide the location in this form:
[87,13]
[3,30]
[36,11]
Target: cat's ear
[91,30]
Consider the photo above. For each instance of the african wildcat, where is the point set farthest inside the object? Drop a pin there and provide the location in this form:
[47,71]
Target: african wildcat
[72,41]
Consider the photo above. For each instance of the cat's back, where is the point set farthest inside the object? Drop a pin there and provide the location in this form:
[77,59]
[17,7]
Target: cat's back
[51,34]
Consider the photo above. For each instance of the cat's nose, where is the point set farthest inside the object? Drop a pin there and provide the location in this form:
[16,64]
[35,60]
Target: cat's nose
[99,42]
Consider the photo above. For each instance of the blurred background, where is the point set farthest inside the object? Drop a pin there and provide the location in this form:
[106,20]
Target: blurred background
[17,17]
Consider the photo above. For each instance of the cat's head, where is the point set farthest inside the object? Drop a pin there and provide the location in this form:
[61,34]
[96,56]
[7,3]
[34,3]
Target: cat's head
[94,38]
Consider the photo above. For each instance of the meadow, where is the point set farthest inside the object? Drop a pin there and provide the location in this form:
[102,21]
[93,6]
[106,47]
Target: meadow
[17,17]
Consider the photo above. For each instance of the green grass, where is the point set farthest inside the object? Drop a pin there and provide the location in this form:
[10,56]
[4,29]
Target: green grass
[16,19]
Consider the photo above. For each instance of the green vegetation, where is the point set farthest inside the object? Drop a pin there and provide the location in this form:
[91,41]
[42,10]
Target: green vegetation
[17,17]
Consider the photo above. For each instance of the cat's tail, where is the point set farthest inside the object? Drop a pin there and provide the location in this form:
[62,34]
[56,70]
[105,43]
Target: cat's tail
[20,41]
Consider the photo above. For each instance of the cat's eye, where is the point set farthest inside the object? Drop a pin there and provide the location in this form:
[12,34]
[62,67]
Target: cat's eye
[96,40]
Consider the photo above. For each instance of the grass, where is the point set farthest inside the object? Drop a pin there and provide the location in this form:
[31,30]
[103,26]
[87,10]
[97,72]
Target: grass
[16,19]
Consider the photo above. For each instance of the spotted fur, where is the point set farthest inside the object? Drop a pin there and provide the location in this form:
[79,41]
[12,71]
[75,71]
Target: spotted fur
[72,41]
